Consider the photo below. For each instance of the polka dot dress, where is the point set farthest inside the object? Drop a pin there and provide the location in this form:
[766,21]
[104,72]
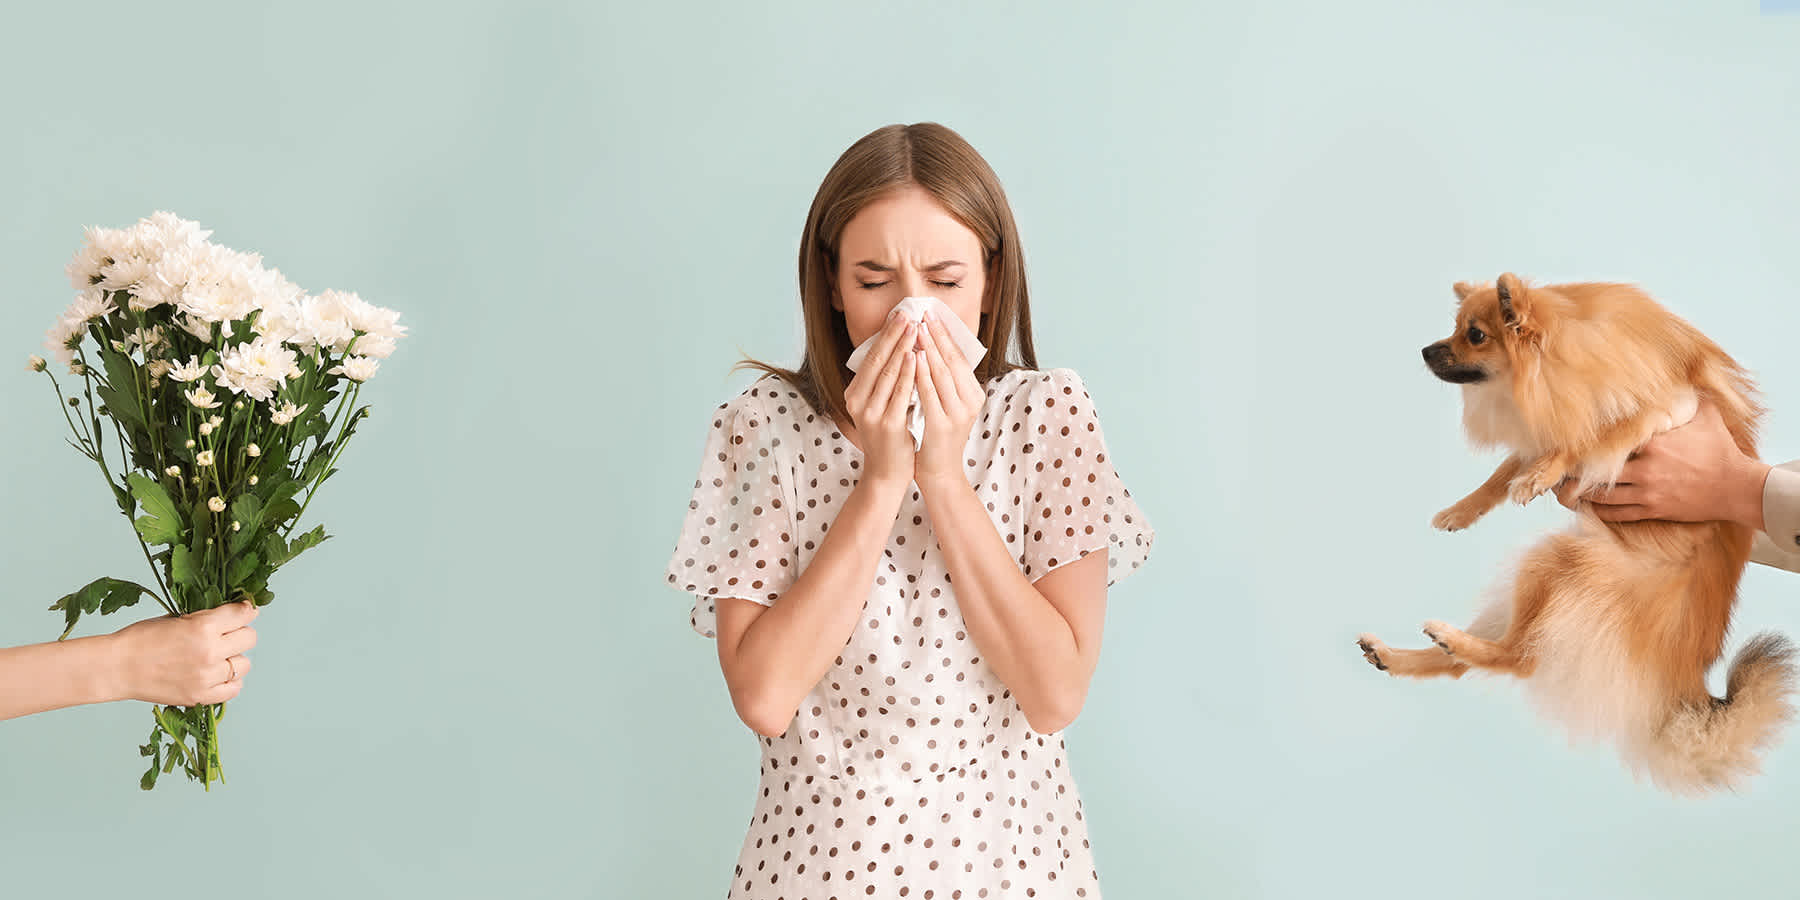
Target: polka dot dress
[909,770]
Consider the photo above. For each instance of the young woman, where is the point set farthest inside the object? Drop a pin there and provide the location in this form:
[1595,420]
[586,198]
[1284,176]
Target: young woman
[909,628]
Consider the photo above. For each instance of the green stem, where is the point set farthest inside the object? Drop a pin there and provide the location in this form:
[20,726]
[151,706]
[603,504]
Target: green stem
[337,450]
[166,600]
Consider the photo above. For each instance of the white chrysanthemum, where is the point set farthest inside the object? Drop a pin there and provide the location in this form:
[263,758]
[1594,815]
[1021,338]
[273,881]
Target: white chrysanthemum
[255,369]
[206,428]
[216,504]
[126,270]
[357,368]
[159,368]
[374,346]
[89,305]
[199,328]
[173,471]
[287,413]
[202,398]
[36,364]
[176,249]
[147,338]
[78,369]
[95,254]
[188,371]
[310,323]
[167,231]
[210,283]
[253,480]
[253,450]
[204,458]
[136,251]
[368,318]
[62,339]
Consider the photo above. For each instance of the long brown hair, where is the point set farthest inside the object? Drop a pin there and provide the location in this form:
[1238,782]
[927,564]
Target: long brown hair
[938,160]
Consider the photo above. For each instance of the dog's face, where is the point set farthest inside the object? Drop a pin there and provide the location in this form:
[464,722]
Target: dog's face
[1489,322]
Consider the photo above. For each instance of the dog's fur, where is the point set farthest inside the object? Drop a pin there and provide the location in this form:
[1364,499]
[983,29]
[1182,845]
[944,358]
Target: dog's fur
[1613,626]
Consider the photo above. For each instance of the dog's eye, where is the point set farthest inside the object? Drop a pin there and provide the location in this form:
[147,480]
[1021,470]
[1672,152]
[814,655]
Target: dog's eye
[1476,336]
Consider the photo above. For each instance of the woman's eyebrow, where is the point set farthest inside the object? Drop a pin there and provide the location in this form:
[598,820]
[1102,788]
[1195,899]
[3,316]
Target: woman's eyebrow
[934,267]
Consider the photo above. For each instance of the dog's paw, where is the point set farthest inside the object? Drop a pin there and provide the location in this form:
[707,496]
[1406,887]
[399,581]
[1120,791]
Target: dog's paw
[1456,518]
[1536,480]
[1371,650]
[1439,633]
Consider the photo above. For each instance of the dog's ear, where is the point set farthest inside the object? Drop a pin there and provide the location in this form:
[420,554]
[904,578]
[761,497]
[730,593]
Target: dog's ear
[1515,303]
[1463,289]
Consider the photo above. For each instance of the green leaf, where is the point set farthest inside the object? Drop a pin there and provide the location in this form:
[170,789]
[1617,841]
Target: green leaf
[121,397]
[148,782]
[123,594]
[279,505]
[181,566]
[203,524]
[175,439]
[161,524]
[174,724]
[102,595]
[321,458]
[300,545]
[274,549]
[241,568]
[247,512]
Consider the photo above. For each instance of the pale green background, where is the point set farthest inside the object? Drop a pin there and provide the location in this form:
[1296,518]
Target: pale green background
[1242,220]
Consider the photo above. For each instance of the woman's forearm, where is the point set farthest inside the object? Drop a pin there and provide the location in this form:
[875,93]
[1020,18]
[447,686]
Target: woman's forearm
[42,677]
[773,662]
[1036,652]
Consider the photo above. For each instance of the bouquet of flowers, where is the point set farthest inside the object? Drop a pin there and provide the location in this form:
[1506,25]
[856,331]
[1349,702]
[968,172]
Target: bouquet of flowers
[216,398]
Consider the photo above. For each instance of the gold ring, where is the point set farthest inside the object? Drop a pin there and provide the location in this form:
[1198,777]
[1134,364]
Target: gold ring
[233,666]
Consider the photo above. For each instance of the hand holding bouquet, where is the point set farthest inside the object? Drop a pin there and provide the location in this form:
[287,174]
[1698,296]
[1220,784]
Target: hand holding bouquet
[215,397]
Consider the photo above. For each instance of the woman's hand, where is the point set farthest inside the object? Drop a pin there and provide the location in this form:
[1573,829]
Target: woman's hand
[879,398]
[1694,473]
[194,660]
[951,399]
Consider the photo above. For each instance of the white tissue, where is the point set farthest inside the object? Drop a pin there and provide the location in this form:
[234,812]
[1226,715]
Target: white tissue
[914,308]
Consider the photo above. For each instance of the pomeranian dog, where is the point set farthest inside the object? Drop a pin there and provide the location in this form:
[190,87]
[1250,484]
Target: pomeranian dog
[1612,626]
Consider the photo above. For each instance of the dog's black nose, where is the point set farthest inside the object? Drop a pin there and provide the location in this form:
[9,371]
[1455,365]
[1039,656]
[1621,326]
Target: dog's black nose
[1436,353]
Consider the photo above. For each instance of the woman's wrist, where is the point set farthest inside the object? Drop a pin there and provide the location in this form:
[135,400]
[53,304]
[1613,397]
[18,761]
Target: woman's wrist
[1747,494]
[94,669]
[937,484]
[884,487]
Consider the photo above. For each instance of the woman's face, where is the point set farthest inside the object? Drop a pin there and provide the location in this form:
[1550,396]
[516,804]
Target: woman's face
[905,244]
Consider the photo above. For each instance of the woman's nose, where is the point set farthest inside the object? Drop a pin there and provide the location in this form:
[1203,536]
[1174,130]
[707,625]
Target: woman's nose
[912,283]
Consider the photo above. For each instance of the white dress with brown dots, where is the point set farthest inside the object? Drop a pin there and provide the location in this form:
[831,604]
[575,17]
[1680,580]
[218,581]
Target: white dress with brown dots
[909,770]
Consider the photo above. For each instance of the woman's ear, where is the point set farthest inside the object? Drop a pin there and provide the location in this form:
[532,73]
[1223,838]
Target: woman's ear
[831,285]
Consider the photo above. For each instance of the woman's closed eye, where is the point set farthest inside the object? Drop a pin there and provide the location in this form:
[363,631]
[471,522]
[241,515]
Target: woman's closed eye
[872,285]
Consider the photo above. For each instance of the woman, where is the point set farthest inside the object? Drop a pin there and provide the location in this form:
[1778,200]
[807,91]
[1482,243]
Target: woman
[193,660]
[908,627]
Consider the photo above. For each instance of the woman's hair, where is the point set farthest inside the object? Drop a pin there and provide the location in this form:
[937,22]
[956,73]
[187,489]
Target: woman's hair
[932,157]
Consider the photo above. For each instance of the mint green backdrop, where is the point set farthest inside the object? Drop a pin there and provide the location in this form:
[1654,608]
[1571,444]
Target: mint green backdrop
[1241,220]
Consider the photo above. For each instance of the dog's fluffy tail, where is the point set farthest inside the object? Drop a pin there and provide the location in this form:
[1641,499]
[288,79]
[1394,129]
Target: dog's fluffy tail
[1716,745]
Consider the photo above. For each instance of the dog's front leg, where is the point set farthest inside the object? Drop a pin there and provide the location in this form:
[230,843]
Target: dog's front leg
[1482,500]
[1544,473]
